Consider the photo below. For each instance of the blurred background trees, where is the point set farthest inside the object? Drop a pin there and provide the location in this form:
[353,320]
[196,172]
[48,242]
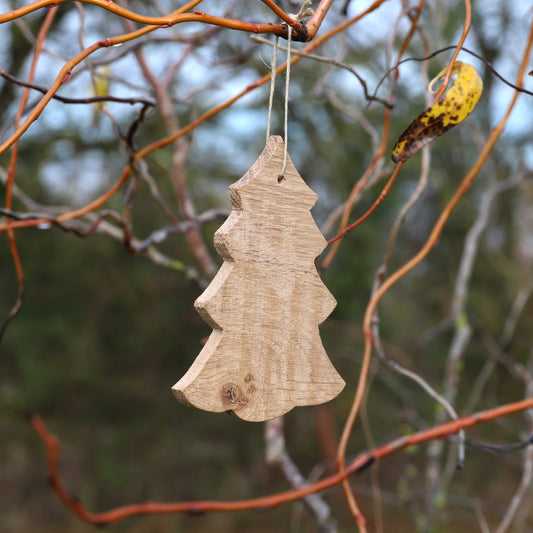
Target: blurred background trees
[107,325]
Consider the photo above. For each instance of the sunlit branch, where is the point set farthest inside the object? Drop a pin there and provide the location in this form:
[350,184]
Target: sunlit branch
[430,243]
[11,172]
[360,463]
[466,29]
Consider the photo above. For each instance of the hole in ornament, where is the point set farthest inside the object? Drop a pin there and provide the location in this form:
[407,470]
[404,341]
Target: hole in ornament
[281,178]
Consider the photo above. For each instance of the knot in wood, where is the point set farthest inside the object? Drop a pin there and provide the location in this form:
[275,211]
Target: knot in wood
[233,397]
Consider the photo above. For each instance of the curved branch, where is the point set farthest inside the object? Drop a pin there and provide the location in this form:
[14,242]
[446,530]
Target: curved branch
[355,466]
[421,255]
[67,100]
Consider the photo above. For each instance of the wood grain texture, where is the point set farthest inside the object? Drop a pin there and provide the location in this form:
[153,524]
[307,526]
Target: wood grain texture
[265,355]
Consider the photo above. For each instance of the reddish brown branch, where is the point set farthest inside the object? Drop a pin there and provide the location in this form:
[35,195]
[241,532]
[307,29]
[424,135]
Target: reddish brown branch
[415,260]
[299,33]
[358,464]
[12,170]
[466,29]
[298,27]
[380,199]
[318,16]
[169,139]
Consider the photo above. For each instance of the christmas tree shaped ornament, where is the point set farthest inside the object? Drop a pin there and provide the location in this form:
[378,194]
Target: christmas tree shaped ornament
[265,304]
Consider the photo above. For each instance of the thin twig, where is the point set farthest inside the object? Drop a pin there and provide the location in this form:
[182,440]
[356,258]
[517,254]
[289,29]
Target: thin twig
[489,65]
[276,454]
[88,100]
[527,476]
[463,329]
[329,61]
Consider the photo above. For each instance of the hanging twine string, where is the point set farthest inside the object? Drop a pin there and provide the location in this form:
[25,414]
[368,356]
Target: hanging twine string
[272,84]
[286,111]
[304,12]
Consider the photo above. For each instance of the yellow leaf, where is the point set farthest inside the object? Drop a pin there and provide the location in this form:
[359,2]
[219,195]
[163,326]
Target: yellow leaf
[101,85]
[454,106]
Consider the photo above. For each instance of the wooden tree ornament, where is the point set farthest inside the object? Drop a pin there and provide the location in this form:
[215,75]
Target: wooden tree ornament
[265,356]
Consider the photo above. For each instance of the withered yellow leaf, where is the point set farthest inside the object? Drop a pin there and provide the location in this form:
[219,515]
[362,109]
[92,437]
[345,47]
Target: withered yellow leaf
[454,106]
